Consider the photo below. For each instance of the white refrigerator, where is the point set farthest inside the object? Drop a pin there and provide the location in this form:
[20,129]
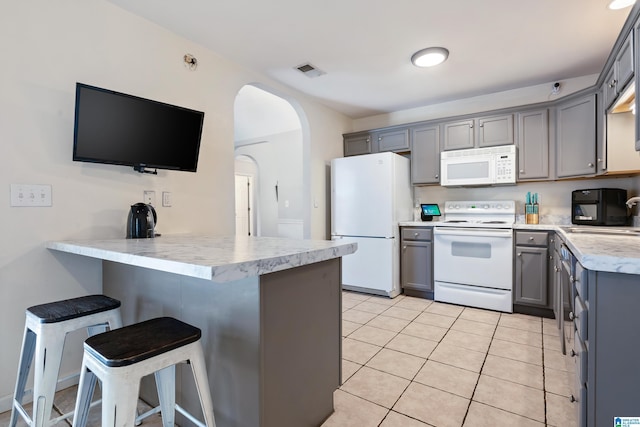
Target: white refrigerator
[370,194]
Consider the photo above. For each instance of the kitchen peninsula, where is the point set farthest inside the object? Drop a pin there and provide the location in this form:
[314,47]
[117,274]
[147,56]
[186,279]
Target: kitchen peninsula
[269,310]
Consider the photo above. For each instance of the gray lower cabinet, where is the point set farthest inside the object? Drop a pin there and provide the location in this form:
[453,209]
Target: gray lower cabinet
[606,346]
[357,144]
[531,268]
[416,261]
[576,137]
[425,155]
[533,145]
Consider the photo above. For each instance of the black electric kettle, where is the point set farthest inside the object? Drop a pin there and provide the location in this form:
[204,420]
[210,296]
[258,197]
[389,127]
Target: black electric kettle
[141,222]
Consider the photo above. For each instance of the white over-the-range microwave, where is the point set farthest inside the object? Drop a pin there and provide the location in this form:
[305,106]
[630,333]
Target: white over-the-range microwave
[479,166]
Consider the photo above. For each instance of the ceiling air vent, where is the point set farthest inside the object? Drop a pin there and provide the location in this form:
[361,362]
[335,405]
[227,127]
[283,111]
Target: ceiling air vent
[309,70]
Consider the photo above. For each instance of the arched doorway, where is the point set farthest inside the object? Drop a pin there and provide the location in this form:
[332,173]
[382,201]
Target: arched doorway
[269,130]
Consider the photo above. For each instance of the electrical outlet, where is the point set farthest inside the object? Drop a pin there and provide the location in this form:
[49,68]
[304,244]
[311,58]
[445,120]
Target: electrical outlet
[30,195]
[166,199]
[149,197]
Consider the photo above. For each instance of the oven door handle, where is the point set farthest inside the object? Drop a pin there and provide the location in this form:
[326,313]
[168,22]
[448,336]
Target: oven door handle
[472,232]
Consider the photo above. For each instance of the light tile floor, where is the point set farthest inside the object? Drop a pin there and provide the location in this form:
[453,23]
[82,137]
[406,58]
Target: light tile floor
[410,362]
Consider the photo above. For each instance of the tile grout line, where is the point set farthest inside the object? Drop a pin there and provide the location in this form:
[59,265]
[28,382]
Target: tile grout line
[480,372]
[450,328]
[417,372]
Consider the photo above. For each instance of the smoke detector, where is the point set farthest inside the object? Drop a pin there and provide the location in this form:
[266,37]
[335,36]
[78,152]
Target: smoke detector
[309,70]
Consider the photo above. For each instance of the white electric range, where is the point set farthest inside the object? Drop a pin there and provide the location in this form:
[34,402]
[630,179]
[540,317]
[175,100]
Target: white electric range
[473,254]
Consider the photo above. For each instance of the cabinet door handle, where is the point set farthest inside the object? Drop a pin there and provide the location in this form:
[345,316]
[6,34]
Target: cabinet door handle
[530,237]
[404,248]
[590,164]
[572,399]
[519,253]
[571,315]
[471,126]
[573,353]
[416,234]
[437,176]
[521,170]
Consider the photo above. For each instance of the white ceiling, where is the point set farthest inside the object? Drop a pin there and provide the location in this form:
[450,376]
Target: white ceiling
[365,46]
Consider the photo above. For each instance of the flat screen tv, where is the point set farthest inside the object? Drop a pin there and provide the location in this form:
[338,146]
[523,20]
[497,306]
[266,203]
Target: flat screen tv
[120,129]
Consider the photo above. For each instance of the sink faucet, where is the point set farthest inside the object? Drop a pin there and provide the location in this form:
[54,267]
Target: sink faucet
[632,201]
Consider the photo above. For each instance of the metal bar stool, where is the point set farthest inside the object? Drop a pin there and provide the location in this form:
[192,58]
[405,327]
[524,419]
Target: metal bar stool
[120,358]
[45,330]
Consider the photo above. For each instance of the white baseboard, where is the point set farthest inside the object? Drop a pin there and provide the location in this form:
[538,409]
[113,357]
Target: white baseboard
[71,380]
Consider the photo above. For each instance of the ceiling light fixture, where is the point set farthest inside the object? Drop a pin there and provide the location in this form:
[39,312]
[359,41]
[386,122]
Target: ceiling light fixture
[429,57]
[620,4]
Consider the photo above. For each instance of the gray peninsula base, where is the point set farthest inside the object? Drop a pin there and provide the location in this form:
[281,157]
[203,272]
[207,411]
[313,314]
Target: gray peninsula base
[272,342]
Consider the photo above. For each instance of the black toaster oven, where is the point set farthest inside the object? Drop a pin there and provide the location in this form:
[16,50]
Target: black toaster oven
[599,206]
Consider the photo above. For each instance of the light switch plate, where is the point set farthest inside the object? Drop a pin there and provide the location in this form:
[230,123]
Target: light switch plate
[166,199]
[150,197]
[30,195]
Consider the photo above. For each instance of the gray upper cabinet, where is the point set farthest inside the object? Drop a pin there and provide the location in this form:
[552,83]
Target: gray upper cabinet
[425,155]
[576,137]
[533,145]
[458,135]
[620,73]
[636,60]
[497,130]
[624,63]
[479,132]
[357,144]
[393,140]
[609,89]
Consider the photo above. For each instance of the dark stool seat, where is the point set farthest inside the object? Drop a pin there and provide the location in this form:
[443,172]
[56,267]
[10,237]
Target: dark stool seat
[45,330]
[122,357]
[67,309]
[138,342]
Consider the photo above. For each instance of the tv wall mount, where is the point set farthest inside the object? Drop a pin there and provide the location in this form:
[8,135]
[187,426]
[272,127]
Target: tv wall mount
[143,169]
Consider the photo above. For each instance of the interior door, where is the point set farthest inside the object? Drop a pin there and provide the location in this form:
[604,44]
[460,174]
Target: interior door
[243,191]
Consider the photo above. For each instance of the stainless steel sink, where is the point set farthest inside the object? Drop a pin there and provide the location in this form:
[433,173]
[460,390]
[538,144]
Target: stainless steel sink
[603,231]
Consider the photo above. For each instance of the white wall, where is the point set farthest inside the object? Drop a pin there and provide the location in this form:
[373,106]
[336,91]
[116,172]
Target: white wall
[279,160]
[47,47]
[555,196]
[477,104]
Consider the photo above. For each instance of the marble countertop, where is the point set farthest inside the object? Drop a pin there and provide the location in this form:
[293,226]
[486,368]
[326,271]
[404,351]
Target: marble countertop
[598,252]
[219,259]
